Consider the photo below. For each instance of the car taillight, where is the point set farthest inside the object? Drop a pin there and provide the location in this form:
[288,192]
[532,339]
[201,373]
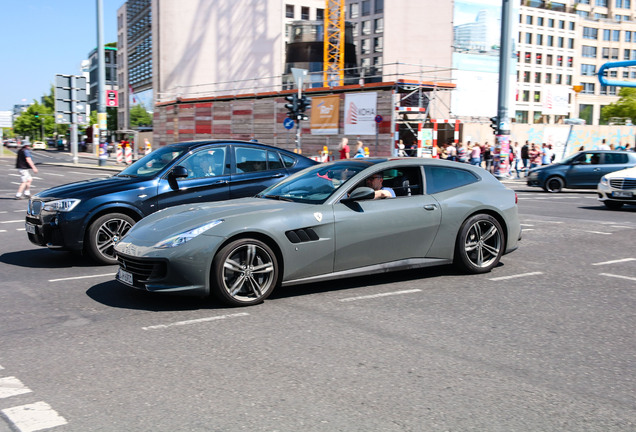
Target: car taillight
[516,198]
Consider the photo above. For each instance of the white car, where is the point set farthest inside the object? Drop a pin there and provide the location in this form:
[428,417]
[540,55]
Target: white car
[618,188]
[39,145]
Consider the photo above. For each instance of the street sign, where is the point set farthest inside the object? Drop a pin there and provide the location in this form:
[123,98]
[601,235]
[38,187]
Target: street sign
[288,123]
[378,118]
[112,98]
[70,99]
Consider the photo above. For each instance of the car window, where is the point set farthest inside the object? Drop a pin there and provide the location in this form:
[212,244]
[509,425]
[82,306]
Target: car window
[588,159]
[152,163]
[250,159]
[289,161]
[615,158]
[403,181]
[206,163]
[439,179]
[273,160]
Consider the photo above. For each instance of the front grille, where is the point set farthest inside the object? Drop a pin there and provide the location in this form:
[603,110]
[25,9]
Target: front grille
[35,207]
[623,183]
[142,269]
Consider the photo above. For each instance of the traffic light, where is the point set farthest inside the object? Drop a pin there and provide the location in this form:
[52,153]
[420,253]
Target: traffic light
[37,114]
[303,103]
[494,124]
[292,106]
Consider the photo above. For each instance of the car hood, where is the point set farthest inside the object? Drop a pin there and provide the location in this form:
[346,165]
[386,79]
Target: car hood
[89,188]
[174,220]
[627,172]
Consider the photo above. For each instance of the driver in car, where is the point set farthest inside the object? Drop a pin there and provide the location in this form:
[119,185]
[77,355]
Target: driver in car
[375,183]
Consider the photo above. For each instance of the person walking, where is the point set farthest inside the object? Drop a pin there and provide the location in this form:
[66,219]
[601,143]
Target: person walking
[545,155]
[475,155]
[359,150]
[344,148]
[23,163]
[525,157]
[518,161]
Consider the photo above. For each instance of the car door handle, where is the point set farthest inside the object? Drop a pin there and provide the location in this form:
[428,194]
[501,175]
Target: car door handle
[218,182]
[430,207]
[278,175]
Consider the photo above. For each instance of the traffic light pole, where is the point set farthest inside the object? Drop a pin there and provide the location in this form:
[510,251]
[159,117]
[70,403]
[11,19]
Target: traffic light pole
[502,141]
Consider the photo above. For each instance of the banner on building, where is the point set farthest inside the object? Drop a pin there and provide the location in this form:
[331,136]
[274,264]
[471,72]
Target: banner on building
[555,99]
[325,115]
[360,111]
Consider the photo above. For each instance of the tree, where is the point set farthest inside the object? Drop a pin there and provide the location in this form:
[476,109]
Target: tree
[624,107]
[139,117]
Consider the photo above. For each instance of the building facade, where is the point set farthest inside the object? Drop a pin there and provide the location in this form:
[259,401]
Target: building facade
[110,60]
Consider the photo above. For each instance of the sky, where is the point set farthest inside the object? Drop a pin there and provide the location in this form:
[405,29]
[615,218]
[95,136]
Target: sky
[42,38]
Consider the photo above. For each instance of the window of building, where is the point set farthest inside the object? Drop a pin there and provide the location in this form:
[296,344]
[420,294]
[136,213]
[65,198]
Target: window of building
[550,41]
[559,79]
[538,58]
[537,96]
[588,88]
[537,77]
[562,24]
[304,13]
[320,14]
[379,6]
[560,42]
[551,22]
[616,35]
[605,53]
[366,7]
[539,39]
[289,11]
[572,25]
[559,61]
[568,80]
[378,44]
[366,27]
[526,76]
[354,30]
[582,13]
[529,19]
[588,69]
[614,53]
[521,116]
[365,46]
[354,10]
[528,38]
[599,16]
[590,33]
[525,96]
[548,60]
[539,21]
[378,25]
[570,43]
[588,51]
[548,78]
[570,61]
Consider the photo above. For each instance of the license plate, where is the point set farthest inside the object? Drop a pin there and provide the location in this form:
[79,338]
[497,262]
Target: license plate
[125,277]
[30,228]
[622,194]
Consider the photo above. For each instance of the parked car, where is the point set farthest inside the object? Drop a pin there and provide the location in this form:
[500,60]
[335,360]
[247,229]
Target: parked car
[91,216]
[582,170]
[618,188]
[39,145]
[324,223]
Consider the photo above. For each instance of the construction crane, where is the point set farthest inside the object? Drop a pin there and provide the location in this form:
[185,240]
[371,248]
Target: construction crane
[333,55]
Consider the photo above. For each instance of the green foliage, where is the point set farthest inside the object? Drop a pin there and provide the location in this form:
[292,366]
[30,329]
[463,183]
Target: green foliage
[624,107]
[139,117]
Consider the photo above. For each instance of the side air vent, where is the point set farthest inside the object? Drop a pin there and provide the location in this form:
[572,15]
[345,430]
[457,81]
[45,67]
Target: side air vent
[302,235]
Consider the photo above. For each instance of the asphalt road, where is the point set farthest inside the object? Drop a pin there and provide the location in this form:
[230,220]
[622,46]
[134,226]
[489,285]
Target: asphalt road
[545,342]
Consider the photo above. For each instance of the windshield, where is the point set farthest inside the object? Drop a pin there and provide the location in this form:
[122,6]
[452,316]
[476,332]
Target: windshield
[313,185]
[568,160]
[151,164]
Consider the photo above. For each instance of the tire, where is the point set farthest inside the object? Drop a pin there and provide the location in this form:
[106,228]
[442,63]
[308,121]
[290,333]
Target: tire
[103,235]
[244,273]
[480,244]
[613,205]
[554,184]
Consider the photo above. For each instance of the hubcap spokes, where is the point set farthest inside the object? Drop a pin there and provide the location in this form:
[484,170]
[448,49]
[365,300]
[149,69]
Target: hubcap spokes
[109,234]
[248,272]
[483,243]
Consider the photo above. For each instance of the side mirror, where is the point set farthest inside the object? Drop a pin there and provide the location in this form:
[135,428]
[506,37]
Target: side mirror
[176,173]
[360,194]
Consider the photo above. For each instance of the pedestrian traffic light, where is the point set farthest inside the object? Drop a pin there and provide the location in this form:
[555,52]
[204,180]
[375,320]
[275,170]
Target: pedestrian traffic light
[494,124]
[37,114]
[292,106]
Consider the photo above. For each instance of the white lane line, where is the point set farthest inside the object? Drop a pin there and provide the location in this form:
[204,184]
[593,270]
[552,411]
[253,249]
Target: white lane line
[11,386]
[372,296]
[3,230]
[516,276]
[621,227]
[34,417]
[195,321]
[526,224]
[57,175]
[82,277]
[597,232]
[544,222]
[618,276]
[13,221]
[615,261]
[528,229]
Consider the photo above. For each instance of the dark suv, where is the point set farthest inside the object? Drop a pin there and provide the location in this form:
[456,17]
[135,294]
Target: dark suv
[91,216]
[582,170]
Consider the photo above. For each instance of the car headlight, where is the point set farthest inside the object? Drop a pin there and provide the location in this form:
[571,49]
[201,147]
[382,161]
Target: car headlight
[185,237]
[604,181]
[63,205]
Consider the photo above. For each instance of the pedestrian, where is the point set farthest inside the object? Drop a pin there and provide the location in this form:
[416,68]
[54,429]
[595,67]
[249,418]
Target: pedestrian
[23,163]
[488,157]
[535,156]
[344,148]
[545,155]
[551,153]
[359,150]
[451,152]
[604,145]
[475,155]
[628,147]
[525,156]
[518,161]
[462,154]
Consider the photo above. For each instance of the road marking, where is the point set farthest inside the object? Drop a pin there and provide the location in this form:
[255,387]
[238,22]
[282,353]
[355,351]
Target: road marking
[596,232]
[526,224]
[528,229]
[82,277]
[57,175]
[372,296]
[515,276]
[34,417]
[545,221]
[621,227]
[615,261]
[13,221]
[618,276]
[11,386]
[195,321]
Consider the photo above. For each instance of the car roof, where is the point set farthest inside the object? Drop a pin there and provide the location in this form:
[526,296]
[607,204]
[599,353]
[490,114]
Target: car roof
[191,145]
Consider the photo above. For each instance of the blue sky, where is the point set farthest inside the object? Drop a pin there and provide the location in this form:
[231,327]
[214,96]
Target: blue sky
[42,38]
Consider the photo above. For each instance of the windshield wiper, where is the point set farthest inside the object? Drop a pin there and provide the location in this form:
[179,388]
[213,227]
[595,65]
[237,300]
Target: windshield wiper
[127,175]
[276,197]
